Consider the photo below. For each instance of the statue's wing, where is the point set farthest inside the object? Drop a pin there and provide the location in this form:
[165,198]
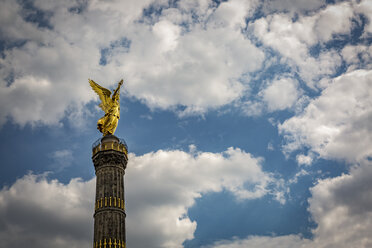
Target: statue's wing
[104,95]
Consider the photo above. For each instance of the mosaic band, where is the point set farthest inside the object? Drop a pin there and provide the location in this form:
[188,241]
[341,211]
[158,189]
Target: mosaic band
[111,243]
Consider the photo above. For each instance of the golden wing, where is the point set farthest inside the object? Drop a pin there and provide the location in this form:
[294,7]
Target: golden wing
[104,95]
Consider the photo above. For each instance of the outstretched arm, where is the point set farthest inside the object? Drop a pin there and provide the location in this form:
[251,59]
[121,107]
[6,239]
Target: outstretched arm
[117,89]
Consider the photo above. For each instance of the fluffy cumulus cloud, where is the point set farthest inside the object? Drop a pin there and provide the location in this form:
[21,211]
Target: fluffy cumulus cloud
[299,38]
[42,213]
[39,213]
[13,26]
[179,59]
[342,209]
[294,39]
[199,55]
[189,55]
[199,69]
[365,8]
[281,94]
[167,183]
[357,57]
[48,61]
[290,241]
[303,159]
[293,6]
[336,125]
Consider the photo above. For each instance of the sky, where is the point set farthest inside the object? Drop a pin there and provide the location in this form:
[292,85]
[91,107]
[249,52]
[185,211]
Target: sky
[248,122]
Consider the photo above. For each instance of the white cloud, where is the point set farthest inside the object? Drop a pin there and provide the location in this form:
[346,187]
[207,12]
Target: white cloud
[200,70]
[192,54]
[289,241]
[281,94]
[342,210]
[253,108]
[293,39]
[335,19]
[298,6]
[35,212]
[233,13]
[342,207]
[12,25]
[365,8]
[356,57]
[166,65]
[51,70]
[160,187]
[62,158]
[306,30]
[336,125]
[164,192]
[304,159]
[299,174]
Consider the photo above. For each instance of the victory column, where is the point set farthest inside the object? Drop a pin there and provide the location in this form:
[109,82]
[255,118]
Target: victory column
[110,158]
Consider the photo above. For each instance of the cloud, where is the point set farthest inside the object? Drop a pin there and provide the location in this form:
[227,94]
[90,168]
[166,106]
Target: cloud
[160,187]
[365,8]
[62,158]
[299,174]
[188,57]
[39,213]
[44,76]
[270,146]
[13,26]
[304,159]
[336,125]
[199,67]
[172,60]
[357,57]
[341,208]
[281,94]
[294,39]
[164,192]
[297,6]
[334,20]
[253,108]
[289,241]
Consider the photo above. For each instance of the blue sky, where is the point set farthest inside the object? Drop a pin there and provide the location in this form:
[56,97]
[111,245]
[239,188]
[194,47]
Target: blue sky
[248,122]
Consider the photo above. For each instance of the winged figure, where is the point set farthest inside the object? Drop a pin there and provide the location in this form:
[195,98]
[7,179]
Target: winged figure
[111,105]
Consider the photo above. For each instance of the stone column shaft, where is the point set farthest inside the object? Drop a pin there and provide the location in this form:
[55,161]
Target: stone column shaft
[110,160]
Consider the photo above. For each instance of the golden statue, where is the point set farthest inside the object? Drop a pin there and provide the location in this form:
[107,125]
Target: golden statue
[111,105]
